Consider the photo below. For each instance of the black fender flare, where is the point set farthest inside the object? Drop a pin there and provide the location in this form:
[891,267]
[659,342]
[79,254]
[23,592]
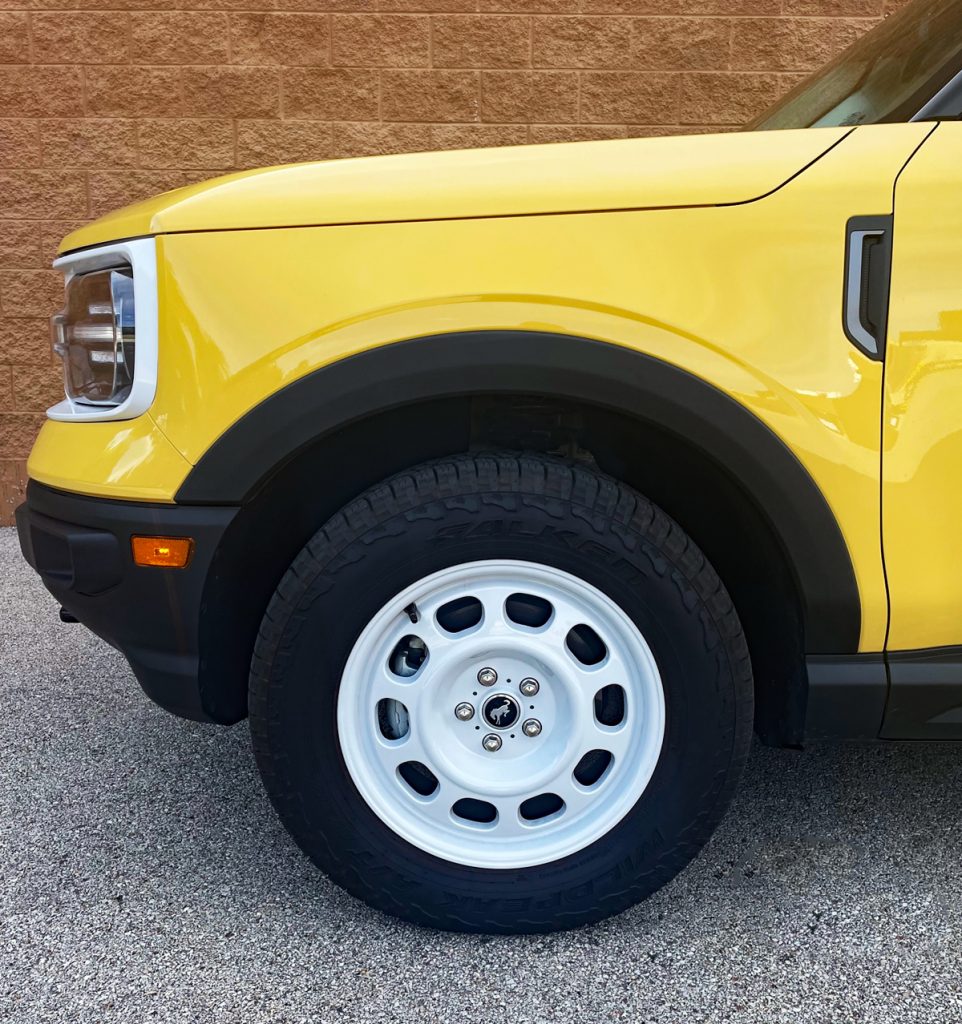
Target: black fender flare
[563,366]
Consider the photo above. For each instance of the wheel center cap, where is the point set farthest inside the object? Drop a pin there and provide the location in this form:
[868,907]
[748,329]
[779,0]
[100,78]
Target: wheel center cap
[501,711]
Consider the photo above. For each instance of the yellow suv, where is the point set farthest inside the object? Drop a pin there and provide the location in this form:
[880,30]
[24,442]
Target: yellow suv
[507,491]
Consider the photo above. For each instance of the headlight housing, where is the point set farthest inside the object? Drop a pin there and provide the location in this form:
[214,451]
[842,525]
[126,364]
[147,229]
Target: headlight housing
[94,336]
[106,334]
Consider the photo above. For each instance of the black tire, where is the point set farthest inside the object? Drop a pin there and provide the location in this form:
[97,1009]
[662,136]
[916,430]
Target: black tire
[472,507]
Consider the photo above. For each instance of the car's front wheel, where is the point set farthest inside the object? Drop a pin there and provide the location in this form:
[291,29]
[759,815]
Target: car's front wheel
[501,693]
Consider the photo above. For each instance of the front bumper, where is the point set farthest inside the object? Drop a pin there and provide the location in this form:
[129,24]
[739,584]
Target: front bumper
[80,546]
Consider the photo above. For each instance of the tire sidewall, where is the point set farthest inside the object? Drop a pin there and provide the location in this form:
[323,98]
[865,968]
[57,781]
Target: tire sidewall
[358,568]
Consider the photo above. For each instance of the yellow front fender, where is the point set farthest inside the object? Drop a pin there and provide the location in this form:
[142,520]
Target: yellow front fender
[744,296]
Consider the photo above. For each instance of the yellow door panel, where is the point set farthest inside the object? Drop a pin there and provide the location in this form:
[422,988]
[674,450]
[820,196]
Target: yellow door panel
[922,432]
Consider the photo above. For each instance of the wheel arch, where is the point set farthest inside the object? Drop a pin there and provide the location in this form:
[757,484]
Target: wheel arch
[660,428]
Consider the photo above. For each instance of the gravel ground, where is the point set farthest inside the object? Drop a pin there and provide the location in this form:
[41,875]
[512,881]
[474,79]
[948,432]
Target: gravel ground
[143,876]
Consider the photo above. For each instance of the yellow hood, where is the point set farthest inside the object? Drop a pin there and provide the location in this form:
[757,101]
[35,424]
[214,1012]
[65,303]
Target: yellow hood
[692,170]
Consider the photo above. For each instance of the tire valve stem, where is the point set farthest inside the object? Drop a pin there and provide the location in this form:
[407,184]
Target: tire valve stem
[412,613]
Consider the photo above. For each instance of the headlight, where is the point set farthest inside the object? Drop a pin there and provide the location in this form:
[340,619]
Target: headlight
[95,337]
[106,334]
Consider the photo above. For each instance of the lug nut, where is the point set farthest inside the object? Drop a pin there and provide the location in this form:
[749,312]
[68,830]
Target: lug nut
[487,677]
[531,727]
[529,687]
[491,743]
[464,711]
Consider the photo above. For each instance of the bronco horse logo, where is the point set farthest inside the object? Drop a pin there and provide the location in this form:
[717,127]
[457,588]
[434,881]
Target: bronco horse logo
[498,714]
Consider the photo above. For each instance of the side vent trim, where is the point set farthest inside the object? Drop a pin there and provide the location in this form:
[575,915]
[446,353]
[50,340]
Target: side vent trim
[868,270]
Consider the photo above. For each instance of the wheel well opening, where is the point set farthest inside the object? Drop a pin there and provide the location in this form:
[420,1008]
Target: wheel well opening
[701,495]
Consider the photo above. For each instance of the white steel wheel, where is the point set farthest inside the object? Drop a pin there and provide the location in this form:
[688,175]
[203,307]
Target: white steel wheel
[501,714]
[500,693]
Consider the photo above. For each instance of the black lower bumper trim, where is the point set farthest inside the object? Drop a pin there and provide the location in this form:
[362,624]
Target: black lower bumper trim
[901,695]
[925,701]
[846,696]
[80,546]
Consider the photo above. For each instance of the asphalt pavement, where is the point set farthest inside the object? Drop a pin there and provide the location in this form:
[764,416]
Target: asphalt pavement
[143,876]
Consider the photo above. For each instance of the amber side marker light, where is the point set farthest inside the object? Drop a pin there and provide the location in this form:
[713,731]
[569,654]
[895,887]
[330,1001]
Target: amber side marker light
[167,552]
